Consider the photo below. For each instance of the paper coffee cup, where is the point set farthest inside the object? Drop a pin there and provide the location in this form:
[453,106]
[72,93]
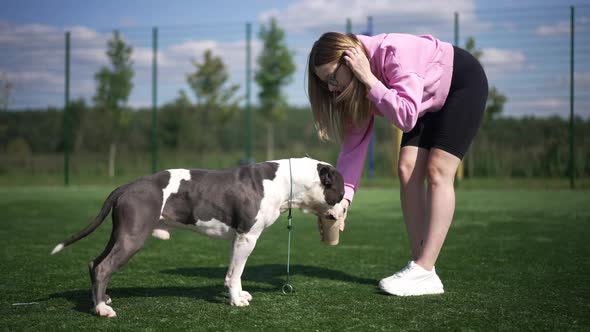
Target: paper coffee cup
[330,231]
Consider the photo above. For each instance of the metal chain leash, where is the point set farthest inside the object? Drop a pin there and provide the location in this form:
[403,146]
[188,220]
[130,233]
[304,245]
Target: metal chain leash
[287,288]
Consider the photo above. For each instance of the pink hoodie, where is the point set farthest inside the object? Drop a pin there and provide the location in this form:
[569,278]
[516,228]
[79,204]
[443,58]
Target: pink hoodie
[414,76]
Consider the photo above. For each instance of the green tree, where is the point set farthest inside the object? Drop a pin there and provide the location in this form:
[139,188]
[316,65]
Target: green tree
[495,104]
[210,84]
[79,121]
[174,119]
[276,68]
[114,84]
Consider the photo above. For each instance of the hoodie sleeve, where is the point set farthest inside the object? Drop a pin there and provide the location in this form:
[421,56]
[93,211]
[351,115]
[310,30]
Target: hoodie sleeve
[352,156]
[400,96]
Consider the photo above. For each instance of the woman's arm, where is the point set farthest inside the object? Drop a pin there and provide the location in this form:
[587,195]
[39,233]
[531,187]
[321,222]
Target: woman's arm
[399,98]
[352,156]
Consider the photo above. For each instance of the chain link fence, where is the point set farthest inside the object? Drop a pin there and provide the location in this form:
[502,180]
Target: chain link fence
[528,54]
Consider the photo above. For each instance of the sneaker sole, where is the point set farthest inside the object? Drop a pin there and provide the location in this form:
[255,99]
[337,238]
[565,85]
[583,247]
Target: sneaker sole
[415,292]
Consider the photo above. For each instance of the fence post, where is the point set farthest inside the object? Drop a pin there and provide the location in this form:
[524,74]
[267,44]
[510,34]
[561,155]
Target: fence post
[154,99]
[66,124]
[572,127]
[249,159]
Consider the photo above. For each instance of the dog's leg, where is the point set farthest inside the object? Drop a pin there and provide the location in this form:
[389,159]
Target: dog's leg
[133,222]
[242,246]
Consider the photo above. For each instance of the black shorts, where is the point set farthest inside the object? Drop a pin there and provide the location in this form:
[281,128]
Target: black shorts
[454,126]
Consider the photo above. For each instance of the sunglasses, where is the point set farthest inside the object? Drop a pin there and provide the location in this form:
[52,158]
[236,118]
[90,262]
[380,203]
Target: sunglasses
[331,78]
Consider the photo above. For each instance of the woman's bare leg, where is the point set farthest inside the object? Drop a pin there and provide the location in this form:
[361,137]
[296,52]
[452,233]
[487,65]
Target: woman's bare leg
[412,172]
[441,169]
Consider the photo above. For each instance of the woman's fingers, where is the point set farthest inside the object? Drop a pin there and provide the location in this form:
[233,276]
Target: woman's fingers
[359,64]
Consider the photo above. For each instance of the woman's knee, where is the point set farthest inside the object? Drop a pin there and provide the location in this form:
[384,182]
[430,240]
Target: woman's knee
[408,171]
[411,167]
[440,171]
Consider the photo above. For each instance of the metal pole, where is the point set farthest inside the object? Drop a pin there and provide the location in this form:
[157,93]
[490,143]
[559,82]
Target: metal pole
[572,127]
[249,158]
[348,25]
[154,99]
[67,115]
[456,29]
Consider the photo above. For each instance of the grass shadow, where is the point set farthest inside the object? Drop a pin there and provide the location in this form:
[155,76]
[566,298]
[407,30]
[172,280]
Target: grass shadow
[82,298]
[272,274]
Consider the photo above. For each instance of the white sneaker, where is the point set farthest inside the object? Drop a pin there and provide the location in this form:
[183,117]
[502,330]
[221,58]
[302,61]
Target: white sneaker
[412,280]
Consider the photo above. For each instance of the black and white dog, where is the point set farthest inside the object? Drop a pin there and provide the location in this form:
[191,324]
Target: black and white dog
[236,204]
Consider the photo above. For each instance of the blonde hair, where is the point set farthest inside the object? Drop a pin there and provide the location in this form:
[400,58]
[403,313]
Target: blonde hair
[332,113]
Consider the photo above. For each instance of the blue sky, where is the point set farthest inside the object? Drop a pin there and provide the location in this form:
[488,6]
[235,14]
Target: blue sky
[525,45]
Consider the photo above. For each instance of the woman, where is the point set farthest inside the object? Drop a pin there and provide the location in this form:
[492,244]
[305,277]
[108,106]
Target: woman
[435,93]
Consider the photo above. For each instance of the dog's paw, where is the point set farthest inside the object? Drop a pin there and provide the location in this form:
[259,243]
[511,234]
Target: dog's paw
[241,301]
[246,296]
[161,234]
[104,310]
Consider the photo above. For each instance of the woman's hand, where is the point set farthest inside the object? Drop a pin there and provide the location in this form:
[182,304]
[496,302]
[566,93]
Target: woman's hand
[359,65]
[343,214]
[344,203]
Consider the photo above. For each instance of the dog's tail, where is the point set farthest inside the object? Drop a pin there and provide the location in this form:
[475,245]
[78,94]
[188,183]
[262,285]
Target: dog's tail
[104,211]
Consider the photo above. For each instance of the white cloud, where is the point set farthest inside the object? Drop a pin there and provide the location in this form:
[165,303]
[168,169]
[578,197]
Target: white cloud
[556,29]
[83,34]
[562,27]
[142,57]
[29,34]
[34,29]
[546,104]
[501,60]
[88,55]
[192,47]
[233,53]
[316,14]
[33,59]
[35,53]
[39,77]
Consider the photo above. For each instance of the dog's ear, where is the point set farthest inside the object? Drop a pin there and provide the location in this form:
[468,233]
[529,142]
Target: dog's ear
[332,182]
[325,174]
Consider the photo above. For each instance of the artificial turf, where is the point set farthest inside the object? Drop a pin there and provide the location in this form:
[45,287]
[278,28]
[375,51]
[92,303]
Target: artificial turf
[513,260]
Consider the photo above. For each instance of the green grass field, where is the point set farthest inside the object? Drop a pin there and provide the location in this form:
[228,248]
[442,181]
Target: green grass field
[513,260]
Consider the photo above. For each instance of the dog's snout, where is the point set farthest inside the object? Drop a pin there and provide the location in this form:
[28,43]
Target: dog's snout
[330,216]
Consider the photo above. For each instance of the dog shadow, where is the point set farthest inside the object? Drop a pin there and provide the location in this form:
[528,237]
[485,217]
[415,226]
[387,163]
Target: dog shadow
[272,274]
[266,278]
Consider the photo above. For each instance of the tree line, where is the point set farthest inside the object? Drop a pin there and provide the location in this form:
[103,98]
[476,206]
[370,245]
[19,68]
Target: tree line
[535,147]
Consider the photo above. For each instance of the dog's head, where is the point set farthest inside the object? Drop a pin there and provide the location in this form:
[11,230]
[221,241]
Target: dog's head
[332,183]
[326,192]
